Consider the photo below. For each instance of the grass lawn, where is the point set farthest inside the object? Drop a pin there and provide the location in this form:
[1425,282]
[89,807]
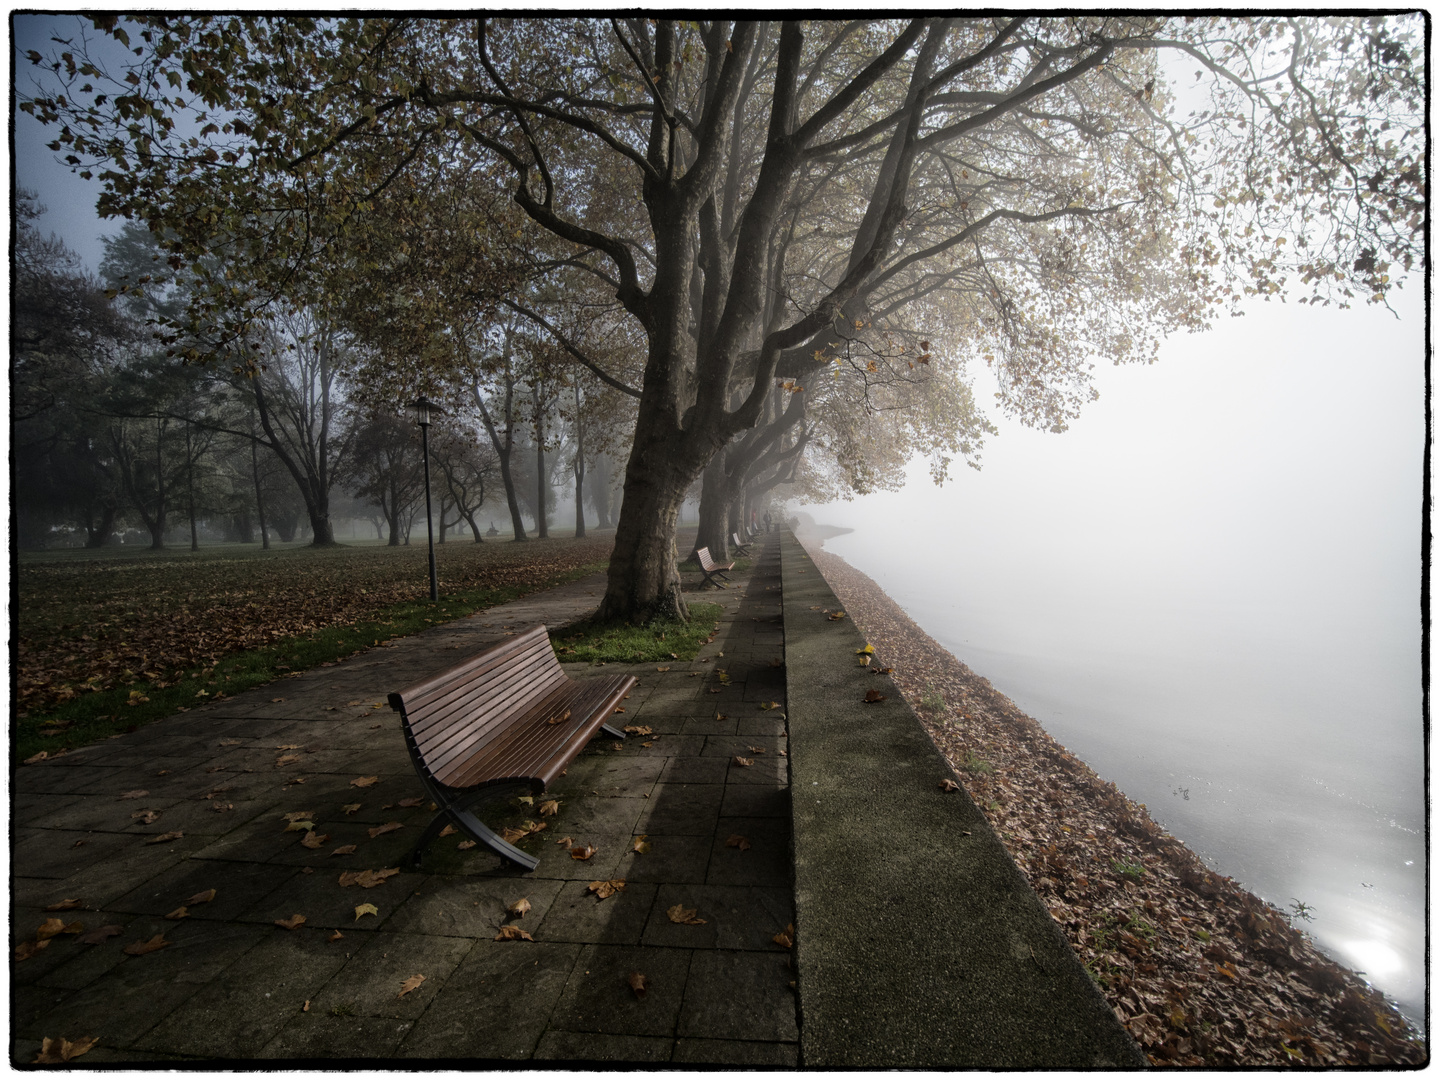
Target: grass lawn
[108,641]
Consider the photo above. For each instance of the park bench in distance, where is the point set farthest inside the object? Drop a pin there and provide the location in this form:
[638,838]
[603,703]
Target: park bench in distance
[742,547]
[508,717]
[711,569]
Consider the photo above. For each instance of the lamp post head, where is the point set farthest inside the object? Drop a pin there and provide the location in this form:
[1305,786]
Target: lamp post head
[424,410]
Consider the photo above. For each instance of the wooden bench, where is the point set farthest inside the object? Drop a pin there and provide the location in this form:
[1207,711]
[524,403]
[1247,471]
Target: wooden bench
[711,569]
[508,717]
[742,547]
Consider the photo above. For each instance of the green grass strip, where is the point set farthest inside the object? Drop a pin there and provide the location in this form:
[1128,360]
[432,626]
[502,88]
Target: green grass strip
[106,713]
[625,643]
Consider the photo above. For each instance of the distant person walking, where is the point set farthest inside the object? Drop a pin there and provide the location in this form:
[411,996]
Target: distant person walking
[767,521]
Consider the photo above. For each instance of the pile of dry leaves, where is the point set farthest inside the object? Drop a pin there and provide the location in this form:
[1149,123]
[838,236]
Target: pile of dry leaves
[94,623]
[1200,971]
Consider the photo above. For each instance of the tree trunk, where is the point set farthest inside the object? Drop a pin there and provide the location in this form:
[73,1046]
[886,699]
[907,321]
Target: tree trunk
[713,532]
[190,488]
[259,498]
[157,524]
[579,468]
[542,481]
[643,583]
[502,451]
[98,536]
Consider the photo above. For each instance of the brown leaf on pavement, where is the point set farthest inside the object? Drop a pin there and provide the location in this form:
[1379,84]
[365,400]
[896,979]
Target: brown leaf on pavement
[519,908]
[583,852]
[638,729]
[756,749]
[294,922]
[146,817]
[350,808]
[512,933]
[362,910]
[49,928]
[288,746]
[304,825]
[366,879]
[286,759]
[448,830]
[388,827]
[99,936]
[59,1051]
[412,983]
[872,696]
[27,949]
[202,897]
[949,785]
[411,802]
[640,845]
[230,742]
[744,761]
[35,758]
[565,840]
[834,615]
[314,840]
[465,845]
[165,838]
[138,793]
[140,948]
[181,912]
[685,916]
[786,938]
[738,841]
[548,808]
[638,983]
[336,936]
[65,905]
[344,849]
[297,815]
[606,889]
[364,781]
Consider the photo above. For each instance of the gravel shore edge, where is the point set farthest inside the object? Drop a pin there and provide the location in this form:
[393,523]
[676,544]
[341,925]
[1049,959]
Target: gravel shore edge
[1199,970]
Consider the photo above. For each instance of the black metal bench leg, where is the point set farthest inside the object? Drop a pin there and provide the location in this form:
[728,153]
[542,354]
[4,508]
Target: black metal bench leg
[465,819]
[609,730]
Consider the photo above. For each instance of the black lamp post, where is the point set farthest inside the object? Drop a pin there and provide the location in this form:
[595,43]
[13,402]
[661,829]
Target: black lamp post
[424,410]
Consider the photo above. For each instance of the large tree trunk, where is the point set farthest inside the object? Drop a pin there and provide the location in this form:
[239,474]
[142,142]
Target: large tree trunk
[542,479]
[190,488]
[97,536]
[502,450]
[643,582]
[714,511]
[579,468]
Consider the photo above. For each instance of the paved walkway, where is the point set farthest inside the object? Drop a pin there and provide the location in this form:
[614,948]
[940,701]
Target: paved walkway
[231,985]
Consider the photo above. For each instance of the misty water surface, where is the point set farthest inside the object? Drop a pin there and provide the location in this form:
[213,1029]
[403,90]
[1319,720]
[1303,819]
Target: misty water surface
[1209,591]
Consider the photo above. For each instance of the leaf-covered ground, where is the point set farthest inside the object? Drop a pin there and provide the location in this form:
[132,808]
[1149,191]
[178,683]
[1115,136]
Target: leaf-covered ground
[1200,971]
[90,622]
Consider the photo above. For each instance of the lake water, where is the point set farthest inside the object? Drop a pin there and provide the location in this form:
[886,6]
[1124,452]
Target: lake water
[1208,589]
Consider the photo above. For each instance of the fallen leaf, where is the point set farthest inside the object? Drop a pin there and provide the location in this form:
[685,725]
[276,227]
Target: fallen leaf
[744,761]
[346,849]
[662,669]
[721,716]
[34,758]
[306,1006]
[519,908]
[146,817]
[640,845]
[834,615]
[786,938]
[638,729]
[364,781]
[287,746]
[548,808]
[350,808]
[584,852]
[362,910]
[512,933]
[767,705]
[65,905]
[286,759]
[868,650]
[138,793]
[300,826]
[412,983]
[59,1051]
[295,780]
[738,841]
[450,830]
[98,936]
[336,936]
[638,983]
[949,785]
[140,948]
[229,742]
[181,912]
[872,696]
[294,922]
[565,840]
[165,838]
[559,719]
[381,830]
[409,803]
[314,840]
[202,897]
[756,749]
[297,815]
[465,845]
[27,949]
[606,889]
[684,916]
[647,745]
[865,661]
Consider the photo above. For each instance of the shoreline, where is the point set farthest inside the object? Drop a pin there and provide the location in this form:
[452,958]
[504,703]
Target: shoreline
[1201,972]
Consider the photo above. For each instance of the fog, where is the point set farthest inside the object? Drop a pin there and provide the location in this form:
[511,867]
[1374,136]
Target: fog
[1209,589]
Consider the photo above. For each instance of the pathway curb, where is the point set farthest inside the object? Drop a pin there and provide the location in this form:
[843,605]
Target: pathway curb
[919,944]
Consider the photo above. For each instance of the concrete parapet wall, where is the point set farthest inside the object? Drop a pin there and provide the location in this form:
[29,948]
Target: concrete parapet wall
[919,944]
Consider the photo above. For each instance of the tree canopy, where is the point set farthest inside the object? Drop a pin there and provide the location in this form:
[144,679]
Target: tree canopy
[882,205]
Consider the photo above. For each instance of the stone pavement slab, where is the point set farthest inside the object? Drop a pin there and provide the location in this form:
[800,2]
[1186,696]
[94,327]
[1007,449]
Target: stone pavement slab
[140,828]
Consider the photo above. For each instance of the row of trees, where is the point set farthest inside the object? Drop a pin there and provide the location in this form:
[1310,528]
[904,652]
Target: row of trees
[112,433]
[784,247]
